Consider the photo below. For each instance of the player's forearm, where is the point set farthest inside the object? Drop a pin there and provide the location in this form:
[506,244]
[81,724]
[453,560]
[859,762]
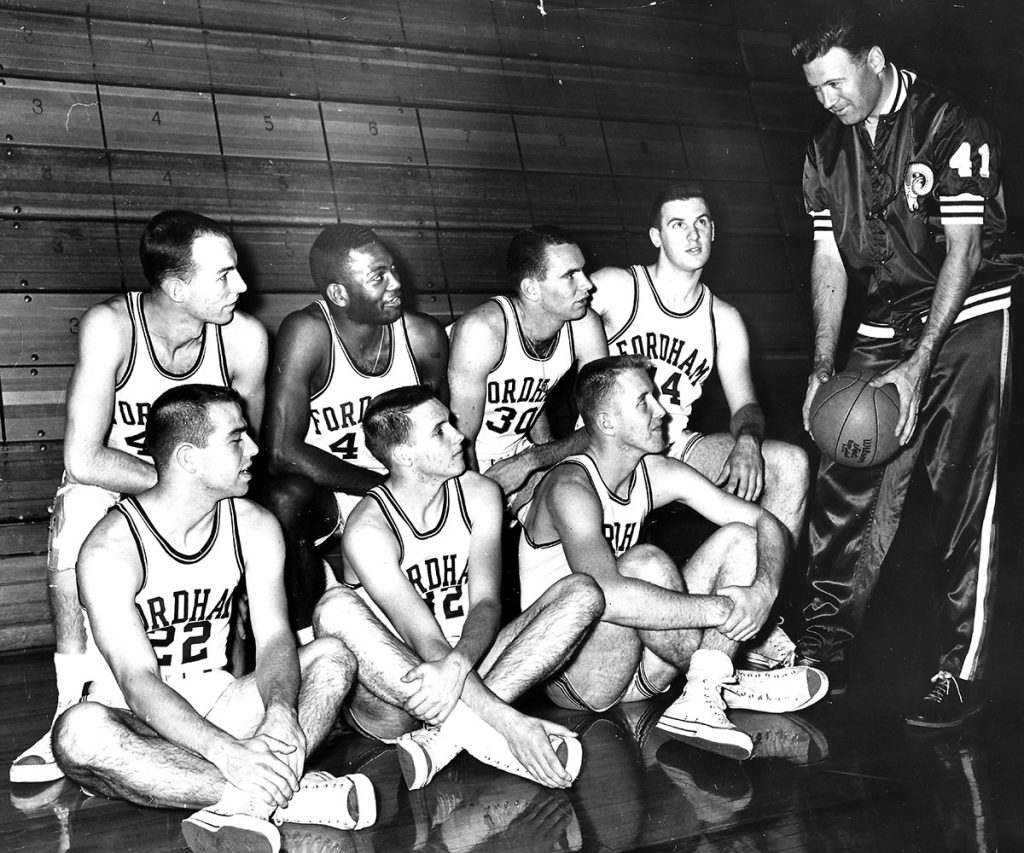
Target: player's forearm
[748,421]
[277,673]
[638,604]
[543,456]
[323,468]
[828,297]
[951,290]
[171,716]
[110,469]
[478,632]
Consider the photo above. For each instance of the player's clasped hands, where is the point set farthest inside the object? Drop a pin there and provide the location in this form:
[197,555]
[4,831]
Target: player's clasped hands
[440,686]
[255,765]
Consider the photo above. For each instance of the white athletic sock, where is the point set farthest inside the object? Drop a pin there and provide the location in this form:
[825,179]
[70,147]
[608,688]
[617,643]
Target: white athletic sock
[72,671]
[236,801]
[465,728]
[709,665]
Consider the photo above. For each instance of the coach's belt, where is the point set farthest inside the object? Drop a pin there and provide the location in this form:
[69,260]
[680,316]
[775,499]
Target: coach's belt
[974,306]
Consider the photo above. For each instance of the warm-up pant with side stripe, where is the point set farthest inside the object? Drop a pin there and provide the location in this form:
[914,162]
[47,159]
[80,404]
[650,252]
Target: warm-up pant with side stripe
[856,512]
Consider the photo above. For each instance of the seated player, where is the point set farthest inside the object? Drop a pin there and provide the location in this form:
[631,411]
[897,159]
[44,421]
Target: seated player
[665,313]
[329,360]
[510,351]
[131,348]
[166,724]
[420,609]
[659,621]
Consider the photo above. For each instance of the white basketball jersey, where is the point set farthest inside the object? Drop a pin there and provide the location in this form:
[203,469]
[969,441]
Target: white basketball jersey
[185,601]
[681,346]
[543,563]
[336,410]
[435,561]
[144,379]
[517,388]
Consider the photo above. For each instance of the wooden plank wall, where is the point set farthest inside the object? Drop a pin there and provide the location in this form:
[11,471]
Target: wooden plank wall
[446,124]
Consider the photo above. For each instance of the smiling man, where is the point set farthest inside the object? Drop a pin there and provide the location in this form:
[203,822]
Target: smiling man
[131,348]
[664,312]
[510,351]
[903,187]
[329,360]
[166,724]
[420,609]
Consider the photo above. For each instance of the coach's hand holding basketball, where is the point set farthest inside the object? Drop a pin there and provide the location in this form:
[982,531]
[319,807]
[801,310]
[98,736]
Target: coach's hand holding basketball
[908,377]
[853,419]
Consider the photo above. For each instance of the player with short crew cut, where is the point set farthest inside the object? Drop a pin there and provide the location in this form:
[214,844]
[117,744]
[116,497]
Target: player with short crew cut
[659,620]
[166,724]
[184,329]
[510,351]
[667,314]
[330,359]
[420,609]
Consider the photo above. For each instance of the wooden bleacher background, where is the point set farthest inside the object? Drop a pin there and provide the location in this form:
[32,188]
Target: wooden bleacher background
[445,124]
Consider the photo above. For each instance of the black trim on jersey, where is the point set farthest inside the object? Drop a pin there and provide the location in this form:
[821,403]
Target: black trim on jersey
[620,501]
[500,302]
[689,312]
[442,520]
[331,332]
[714,328]
[152,352]
[636,306]
[120,383]
[222,356]
[555,341]
[375,496]
[463,509]
[133,529]
[236,536]
[174,553]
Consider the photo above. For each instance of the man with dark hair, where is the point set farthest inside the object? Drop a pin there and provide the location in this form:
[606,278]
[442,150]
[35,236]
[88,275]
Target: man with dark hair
[131,348]
[659,620]
[903,186]
[508,353]
[330,359]
[420,609]
[664,312]
[166,724]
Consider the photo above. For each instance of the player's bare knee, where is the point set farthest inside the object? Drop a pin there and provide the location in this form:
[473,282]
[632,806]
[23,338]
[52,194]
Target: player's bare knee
[328,657]
[787,468]
[79,737]
[651,564]
[337,608]
[582,594]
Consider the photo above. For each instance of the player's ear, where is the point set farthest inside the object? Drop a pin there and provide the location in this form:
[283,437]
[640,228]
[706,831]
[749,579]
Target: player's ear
[876,60]
[401,455]
[655,235]
[337,293]
[530,289]
[173,288]
[605,422]
[712,230]
[185,456]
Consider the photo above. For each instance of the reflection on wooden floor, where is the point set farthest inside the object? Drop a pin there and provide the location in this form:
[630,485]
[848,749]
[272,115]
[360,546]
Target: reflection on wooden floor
[846,775]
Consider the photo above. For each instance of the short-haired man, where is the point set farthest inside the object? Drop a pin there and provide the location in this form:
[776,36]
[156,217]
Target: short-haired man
[666,313]
[420,609]
[903,186]
[166,724]
[658,621]
[130,349]
[329,360]
[508,353]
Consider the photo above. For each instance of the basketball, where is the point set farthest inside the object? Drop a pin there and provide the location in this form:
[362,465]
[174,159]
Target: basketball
[852,422]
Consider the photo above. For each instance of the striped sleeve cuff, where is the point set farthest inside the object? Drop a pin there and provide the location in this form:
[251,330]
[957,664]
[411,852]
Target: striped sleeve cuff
[963,209]
[822,220]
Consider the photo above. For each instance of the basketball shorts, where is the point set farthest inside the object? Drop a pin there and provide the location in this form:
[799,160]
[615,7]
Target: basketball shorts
[200,689]
[561,691]
[684,444]
[77,509]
